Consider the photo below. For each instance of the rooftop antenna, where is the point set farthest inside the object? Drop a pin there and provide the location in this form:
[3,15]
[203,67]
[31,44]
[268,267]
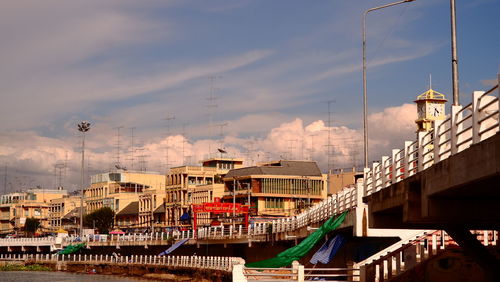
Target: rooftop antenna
[329,144]
[184,140]
[118,145]
[142,159]
[66,167]
[58,173]
[312,146]
[168,119]
[5,179]
[221,142]
[291,148]
[132,149]
[211,106]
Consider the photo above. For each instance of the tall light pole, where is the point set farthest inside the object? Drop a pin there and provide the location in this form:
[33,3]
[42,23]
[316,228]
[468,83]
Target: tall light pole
[454,60]
[365,115]
[83,127]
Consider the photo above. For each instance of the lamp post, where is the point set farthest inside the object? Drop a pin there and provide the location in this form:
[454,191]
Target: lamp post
[365,118]
[83,127]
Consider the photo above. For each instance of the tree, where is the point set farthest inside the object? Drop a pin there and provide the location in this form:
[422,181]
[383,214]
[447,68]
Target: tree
[101,218]
[31,226]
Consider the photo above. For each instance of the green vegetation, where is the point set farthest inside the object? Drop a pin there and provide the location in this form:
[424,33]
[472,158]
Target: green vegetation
[31,226]
[20,267]
[102,219]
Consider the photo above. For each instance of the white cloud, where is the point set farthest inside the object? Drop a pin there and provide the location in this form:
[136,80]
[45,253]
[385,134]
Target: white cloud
[34,157]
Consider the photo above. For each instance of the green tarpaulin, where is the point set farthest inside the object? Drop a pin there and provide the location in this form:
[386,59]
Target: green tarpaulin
[286,257]
[71,249]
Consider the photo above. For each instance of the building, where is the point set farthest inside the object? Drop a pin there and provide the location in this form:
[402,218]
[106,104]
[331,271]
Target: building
[61,212]
[117,189]
[342,178]
[430,107]
[128,218]
[149,201]
[15,208]
[279,188]
[195,184]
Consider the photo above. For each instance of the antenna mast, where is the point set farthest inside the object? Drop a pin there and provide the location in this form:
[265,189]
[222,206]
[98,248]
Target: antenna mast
[118,145]
[168,119]
[211,106]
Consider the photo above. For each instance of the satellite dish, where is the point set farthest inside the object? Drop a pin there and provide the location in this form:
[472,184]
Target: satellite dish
[222,151]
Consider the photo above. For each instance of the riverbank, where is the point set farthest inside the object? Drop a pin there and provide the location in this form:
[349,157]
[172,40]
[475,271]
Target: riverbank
[22,267]
[133,271]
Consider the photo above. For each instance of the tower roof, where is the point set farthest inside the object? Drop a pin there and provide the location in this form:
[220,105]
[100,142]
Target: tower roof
[431,95]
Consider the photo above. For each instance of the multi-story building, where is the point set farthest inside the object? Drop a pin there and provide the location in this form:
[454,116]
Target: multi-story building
[195,184]
[279,188]
[149,201]
[117,189]
[342,178]
[128,218]
[61,212]
[15,208]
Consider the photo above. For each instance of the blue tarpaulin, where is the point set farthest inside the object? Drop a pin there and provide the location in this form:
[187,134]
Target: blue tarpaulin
[328,250]
[173,247]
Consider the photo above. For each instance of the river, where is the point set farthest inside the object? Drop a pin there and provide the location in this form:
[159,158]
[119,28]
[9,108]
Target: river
[39,276]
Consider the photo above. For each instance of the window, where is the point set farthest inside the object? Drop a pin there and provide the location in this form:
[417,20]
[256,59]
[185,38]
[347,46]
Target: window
[274,203]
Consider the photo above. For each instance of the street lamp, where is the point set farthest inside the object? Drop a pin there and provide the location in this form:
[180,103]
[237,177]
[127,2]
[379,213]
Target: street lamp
[365,118]
[83,127]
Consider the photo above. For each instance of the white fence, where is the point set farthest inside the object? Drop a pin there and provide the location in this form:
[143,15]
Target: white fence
[11,242]
[406,254]
[464,126]
[200,262]
[296,272]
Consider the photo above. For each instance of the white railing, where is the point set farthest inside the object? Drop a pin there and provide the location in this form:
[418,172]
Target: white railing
[199,262]
[296,272]
[333,205]
[466,125]
[407,253]
[43,241]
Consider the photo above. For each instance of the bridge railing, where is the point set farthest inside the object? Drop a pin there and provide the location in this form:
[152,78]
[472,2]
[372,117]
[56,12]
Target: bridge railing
[406,254]
[296,272]
[464,126]
[336,204]
[8,242]
[200,262]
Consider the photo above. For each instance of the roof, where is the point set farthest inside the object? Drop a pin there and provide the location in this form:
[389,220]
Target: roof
[130,209]
[73,213]
[282,167]
[160,209]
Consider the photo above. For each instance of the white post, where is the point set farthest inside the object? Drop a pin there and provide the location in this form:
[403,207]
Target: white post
[406,160]
[455,128]
[395,168]
[382,171]
[476,127]
[437,140]
[420,150]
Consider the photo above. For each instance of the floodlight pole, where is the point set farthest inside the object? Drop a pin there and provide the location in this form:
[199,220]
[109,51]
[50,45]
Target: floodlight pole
[454,60]
[83,127]
[365,117]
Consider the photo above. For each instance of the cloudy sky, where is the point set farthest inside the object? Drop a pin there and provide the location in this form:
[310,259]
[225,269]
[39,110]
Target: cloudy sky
[259,72]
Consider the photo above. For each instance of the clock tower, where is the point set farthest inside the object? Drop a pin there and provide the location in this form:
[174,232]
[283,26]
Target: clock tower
[430,107]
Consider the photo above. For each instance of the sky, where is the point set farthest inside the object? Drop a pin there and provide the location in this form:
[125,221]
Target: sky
[262,80]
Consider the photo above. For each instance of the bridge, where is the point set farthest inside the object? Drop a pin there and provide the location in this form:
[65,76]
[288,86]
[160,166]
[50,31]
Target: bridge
[444,182]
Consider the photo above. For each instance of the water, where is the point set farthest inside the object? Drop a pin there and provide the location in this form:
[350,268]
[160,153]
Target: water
[35,276]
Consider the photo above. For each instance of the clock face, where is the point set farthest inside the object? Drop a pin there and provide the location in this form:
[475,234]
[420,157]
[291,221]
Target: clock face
[435,110]
[420,110]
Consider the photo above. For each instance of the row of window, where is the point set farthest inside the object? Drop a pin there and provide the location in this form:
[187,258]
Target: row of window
[291,186]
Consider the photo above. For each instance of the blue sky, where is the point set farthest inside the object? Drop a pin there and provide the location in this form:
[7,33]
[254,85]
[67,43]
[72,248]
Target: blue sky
[133,63]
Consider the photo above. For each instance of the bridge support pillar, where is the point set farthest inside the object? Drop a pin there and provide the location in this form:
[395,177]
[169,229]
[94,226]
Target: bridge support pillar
[477,251]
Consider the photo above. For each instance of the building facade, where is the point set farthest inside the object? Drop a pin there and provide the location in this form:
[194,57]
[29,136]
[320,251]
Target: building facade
[280,188]
[117,189]
[62,211]
[195,184]
[15,208]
